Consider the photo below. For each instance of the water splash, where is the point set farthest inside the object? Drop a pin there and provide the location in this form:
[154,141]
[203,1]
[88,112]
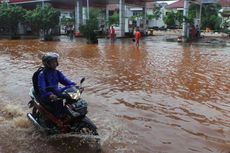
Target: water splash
[13,114]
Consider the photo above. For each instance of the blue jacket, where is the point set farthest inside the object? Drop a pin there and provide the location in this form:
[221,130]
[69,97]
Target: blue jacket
[53,77]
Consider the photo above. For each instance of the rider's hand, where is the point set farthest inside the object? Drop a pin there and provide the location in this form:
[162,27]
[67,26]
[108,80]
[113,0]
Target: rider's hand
[53,97]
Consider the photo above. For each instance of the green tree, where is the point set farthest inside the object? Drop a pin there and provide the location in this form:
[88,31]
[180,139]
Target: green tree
[10,16]
[179,17]
[90,29]
[210,16]
[44,19]
[67,21]
[226,25]
[192,13]
[139,15]
[170,18]
[156,11]
[114,19]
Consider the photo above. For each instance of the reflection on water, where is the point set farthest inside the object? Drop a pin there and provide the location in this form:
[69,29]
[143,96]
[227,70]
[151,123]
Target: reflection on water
[160,97]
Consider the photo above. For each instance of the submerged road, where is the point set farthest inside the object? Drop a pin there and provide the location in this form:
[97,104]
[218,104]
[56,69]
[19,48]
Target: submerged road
[163,97]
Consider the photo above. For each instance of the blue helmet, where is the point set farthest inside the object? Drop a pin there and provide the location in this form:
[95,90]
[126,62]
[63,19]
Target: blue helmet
[47,57]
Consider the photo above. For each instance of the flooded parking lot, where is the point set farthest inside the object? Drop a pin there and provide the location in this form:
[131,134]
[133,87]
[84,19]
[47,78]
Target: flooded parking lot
[160,97]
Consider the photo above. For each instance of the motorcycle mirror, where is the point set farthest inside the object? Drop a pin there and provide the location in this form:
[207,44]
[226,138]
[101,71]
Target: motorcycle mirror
[82,80]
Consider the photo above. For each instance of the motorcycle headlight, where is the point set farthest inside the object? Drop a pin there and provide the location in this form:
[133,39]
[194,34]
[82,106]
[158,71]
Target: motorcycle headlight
[75,95]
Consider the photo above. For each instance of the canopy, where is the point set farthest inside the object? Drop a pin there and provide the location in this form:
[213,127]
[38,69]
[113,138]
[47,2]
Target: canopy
[95,3]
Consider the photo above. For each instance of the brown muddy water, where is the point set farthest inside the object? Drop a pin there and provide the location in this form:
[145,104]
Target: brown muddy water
[164,97]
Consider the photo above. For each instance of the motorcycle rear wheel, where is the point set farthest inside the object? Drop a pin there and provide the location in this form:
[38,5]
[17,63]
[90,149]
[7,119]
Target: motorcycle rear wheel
[36,114]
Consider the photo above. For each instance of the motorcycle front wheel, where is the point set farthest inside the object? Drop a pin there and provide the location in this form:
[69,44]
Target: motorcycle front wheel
[85,127]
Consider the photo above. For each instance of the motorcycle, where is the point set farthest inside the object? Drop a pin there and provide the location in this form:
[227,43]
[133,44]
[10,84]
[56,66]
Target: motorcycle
[74,121]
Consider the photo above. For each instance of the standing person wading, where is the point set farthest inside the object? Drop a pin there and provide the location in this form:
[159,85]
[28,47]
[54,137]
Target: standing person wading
[137,37]
[112,34]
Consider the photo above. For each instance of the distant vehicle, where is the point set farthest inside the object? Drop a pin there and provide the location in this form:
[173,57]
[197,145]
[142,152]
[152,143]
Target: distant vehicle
[126,28]
[117,29]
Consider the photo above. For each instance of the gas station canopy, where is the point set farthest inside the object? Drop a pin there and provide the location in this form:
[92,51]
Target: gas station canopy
[92,3]
[69,4]
[104,2]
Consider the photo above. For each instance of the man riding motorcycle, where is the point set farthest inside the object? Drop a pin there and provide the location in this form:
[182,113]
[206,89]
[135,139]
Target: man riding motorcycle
[48,80]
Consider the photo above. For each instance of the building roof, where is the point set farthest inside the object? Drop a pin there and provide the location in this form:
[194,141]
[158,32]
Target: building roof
[224,3]
[180,4]
[177,4]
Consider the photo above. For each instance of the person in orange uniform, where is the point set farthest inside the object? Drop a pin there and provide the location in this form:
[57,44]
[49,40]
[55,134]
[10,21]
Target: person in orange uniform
[137,37]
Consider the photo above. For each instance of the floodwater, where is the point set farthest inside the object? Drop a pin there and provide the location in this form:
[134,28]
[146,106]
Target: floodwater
[164,97]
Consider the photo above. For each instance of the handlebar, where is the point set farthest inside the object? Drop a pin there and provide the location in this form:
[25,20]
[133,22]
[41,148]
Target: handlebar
[66,96]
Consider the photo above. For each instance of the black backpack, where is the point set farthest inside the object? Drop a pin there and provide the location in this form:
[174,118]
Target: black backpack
[35,80]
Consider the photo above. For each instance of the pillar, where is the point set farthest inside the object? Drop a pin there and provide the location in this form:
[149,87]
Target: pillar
[107,15]
[200,11]
[78,15]
[122,17]
[145,18]
[185,25]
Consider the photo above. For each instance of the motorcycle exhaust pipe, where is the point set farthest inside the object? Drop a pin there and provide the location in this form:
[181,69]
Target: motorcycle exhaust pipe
[35,123]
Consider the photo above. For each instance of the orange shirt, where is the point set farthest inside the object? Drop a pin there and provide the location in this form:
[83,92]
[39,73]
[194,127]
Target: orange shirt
[137,35]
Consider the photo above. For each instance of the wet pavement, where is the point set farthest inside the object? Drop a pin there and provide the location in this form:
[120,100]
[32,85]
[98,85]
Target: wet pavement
[161,97]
